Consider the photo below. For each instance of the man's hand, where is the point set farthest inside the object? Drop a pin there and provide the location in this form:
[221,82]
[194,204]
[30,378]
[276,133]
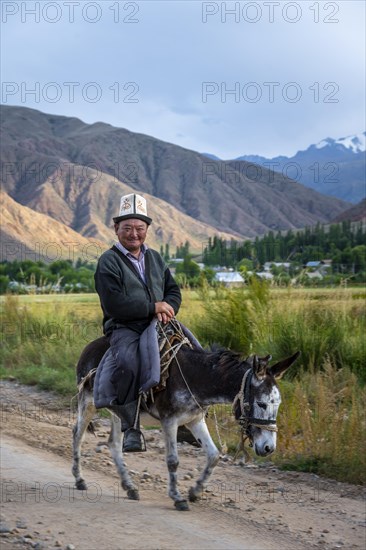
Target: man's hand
[164,311]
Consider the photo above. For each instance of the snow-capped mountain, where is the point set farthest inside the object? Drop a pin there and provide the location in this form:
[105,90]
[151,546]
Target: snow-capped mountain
[357,144]
[333,167]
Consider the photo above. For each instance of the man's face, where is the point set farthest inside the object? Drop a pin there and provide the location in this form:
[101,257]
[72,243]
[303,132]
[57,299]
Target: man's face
[131,234]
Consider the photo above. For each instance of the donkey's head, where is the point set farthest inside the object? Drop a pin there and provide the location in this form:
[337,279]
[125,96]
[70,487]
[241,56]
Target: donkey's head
[259,400]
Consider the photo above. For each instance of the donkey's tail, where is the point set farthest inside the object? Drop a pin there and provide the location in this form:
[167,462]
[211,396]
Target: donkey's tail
[88,379]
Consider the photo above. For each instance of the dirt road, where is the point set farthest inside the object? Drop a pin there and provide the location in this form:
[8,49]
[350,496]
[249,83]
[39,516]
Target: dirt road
[244,507]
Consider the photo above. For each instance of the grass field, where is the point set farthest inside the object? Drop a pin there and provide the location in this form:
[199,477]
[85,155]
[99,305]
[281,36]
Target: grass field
[322,421]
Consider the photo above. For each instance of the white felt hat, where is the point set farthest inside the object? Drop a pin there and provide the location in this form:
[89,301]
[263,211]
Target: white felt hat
[133,206]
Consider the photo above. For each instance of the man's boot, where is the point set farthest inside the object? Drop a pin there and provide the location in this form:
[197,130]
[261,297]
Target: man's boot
[186,436]
[133,439]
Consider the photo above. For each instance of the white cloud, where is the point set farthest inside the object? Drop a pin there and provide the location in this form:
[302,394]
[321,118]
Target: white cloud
[169,53]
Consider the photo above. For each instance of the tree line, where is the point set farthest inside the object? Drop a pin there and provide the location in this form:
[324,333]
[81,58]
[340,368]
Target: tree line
[62,275]
[344,244]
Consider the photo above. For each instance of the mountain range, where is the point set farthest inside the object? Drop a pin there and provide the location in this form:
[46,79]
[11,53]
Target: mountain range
[334,167]
[74,174]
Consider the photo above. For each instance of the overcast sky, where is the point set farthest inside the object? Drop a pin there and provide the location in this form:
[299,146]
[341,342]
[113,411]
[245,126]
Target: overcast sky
[228,78]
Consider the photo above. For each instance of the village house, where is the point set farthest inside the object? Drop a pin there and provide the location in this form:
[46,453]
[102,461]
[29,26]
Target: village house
[268,265]
[317,269]
[267,275]
[230,279]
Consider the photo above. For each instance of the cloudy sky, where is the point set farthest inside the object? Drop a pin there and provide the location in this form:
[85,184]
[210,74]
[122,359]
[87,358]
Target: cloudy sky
[229,78]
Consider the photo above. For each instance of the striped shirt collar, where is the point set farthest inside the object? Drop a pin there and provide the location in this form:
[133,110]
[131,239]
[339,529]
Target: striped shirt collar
[124,250]
[139,262]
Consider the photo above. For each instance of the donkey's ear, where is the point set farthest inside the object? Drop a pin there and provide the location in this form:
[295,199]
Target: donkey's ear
[281,367]
[260,365]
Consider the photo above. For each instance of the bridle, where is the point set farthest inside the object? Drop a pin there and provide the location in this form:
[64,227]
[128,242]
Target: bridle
[245,421]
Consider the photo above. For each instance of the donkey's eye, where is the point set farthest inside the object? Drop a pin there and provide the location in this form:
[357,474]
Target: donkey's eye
[262,405]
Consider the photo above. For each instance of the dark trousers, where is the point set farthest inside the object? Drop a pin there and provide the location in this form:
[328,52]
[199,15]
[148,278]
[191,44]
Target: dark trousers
[126,376]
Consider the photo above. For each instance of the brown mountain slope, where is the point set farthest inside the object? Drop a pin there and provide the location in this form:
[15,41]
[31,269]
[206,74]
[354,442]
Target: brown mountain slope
[232,196]
[354,214]
[28,235]
[27,229]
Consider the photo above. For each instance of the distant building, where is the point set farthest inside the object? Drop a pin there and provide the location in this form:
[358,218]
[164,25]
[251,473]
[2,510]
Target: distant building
[314,275]
[265,275]
[321,267]
[229,278]
[267,266]
[221,269]
[313,264]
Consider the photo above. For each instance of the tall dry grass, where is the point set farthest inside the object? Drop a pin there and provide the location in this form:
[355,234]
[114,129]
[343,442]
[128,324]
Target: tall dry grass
[321,425]
[321,419]
[255,320]
[41,345]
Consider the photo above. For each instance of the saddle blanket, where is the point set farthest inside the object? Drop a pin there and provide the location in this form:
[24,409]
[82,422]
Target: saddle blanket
[104,390]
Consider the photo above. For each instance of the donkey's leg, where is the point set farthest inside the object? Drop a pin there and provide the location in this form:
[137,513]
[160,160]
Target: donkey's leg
[86,411]
[170,429]
[115,447]
[201,433]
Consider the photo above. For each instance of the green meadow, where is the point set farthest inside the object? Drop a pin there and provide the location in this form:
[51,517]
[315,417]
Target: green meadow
[321,420]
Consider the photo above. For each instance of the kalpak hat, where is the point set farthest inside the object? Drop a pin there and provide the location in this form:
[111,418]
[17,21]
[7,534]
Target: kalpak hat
[133,206]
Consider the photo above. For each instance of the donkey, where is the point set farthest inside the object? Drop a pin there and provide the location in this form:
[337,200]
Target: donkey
[197,379]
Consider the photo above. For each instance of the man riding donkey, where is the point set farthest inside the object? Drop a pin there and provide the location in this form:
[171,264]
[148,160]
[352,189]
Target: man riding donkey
[134,286]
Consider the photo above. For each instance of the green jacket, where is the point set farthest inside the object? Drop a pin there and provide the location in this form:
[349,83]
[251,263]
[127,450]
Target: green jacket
[124,297]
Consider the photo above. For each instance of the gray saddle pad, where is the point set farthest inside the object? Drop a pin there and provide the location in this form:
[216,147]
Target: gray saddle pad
[104,390]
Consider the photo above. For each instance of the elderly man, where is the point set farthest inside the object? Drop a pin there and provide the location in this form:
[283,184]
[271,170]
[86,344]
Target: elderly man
[134,284]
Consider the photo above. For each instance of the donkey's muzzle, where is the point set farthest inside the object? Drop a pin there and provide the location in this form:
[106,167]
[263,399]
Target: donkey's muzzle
[264,450]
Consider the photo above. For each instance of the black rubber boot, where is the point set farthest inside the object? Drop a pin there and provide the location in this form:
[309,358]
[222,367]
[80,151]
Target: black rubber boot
[185,435]
[133,439]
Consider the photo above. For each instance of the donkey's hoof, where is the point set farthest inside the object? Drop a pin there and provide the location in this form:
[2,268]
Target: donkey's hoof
[181,505]
[192,495]
[81,485]
[133,494]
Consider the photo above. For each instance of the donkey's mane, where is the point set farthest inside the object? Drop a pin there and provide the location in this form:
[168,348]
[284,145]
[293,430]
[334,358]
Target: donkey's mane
[220,357]
[226,360]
